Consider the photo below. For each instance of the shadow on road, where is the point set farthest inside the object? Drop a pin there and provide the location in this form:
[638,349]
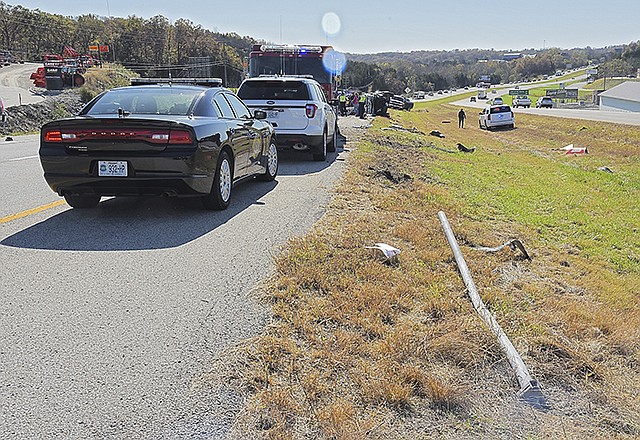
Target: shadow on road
[135,223]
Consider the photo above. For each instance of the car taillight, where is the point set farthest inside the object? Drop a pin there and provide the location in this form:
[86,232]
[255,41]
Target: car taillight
[180,137]
[489,117]
[310,109]
[173,137]
[53,136]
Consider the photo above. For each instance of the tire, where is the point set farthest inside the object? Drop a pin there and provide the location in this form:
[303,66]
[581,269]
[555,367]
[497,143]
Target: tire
[272,164]
[322,156]
[331,146]
[82,202]
[220,194]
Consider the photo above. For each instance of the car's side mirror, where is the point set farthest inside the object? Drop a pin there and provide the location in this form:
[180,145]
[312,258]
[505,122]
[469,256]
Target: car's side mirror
[260,114]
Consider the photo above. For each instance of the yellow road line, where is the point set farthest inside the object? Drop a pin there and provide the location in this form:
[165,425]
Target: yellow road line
[30,211]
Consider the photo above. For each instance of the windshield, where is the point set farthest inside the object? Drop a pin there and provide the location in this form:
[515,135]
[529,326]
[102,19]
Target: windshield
[501,109]
[273,65]
[264,90]
[145,101]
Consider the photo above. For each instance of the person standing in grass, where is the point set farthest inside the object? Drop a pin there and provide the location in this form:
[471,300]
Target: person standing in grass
[461,117]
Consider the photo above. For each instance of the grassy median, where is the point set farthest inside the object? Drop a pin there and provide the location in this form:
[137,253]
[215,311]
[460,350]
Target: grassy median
[359,348]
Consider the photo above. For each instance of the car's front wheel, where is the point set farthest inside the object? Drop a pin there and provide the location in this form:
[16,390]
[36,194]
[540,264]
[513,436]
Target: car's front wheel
[82,202]
[322,156]
[220,194]
[272,164]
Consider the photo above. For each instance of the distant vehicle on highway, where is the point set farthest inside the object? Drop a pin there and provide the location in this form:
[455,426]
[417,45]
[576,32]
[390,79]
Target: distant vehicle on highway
[497,101]
[544,101]
[472,99]
[521,101]
[158,140]
[496,116]
[3,113]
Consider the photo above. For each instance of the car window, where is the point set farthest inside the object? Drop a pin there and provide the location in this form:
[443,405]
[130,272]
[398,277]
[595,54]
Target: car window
[238,107]
[265,90]
[137,100]
[320,92]
[500,109]
[223,106]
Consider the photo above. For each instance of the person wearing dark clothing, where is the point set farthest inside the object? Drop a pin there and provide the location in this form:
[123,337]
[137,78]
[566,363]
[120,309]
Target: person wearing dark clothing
[461,117]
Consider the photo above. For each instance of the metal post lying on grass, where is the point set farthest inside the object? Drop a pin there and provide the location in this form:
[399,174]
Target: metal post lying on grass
[529,388]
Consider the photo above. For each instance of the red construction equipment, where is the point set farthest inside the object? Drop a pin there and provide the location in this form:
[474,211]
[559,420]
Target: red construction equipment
[61,71]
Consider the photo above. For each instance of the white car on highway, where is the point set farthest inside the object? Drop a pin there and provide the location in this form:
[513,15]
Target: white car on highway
[521,101]
[496,116]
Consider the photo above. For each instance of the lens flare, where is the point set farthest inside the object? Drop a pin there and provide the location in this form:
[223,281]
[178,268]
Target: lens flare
[331,23]
[334,62]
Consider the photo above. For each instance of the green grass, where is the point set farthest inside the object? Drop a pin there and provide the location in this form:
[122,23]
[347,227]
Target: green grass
[361,349]
[608,83]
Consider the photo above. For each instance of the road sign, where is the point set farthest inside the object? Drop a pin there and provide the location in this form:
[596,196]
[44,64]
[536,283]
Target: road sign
[104,48]
[563,93]
[524,92]
[93,48]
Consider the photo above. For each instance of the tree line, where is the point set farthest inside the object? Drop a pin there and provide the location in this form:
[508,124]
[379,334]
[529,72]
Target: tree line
[438,70]
[151,47]
[158,47]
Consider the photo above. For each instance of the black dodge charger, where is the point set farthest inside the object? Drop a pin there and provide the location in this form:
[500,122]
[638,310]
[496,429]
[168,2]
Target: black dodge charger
[166,139]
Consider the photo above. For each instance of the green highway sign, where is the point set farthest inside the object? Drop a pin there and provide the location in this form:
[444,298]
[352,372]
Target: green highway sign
[518,92]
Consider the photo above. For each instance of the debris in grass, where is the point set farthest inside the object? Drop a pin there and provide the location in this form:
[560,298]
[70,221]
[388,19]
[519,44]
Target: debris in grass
[436,133]
[391,176]
[434,146]
[606,169]
[389,252]
[583,128]
[570,149]
[513,245]
[401,128]
[446,121]
[465,149]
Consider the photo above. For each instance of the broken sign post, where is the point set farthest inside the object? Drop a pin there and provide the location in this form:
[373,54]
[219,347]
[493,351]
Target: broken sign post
[530,390]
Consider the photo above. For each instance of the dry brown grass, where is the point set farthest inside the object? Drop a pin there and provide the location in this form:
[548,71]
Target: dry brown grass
[361,349]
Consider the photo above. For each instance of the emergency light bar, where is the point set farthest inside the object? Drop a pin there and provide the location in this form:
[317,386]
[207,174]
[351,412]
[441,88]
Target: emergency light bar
[206,82]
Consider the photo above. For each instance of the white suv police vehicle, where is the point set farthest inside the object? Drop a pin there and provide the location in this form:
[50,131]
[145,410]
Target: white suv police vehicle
[297,108]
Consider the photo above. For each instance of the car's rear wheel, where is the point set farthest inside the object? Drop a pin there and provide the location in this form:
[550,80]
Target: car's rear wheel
[272,164]
[220,194]
[331,147]
[82,202]
[322,156]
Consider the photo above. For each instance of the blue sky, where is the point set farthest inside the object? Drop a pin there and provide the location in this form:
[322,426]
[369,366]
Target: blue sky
[391,26]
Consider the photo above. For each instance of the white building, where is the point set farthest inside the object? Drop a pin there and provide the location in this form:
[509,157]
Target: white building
[622,98]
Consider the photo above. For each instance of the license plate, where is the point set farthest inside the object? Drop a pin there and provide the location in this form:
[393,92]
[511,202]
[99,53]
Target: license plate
[112,168]
[272,114]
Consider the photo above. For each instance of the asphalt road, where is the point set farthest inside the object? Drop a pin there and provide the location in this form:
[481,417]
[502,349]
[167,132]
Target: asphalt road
[15,86]
[111,318]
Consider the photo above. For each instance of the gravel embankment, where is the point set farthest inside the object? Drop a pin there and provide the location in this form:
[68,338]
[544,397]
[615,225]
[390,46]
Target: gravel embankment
[29,118]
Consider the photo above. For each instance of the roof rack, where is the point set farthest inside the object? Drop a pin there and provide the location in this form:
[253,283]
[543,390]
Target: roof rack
[206,82]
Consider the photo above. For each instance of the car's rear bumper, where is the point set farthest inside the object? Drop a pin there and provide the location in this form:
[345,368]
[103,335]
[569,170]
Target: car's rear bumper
[300,141]
[78,175]
[492,124]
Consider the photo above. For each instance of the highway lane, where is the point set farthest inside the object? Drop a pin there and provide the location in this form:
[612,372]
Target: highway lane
[627,118]
[15,86]
[22,182]
[112,318]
